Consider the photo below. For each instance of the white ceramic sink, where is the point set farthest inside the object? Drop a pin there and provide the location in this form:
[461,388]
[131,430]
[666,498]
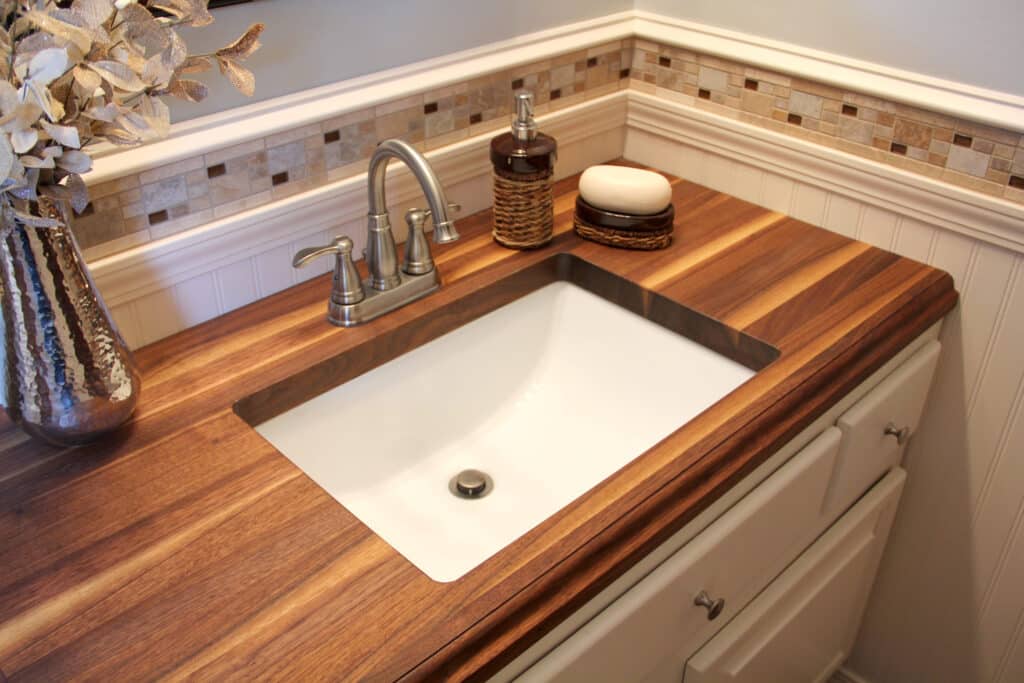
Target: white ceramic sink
[549,395]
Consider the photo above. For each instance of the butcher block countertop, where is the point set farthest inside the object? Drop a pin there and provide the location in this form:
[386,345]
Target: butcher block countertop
[187,546]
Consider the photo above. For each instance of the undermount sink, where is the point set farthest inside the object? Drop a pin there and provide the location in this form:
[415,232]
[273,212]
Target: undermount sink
[548,381]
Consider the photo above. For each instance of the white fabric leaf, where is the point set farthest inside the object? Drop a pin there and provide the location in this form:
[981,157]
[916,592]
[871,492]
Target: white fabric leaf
[6,156]
[93,12]
[80,37]
[118,75]
[65,135]
[48,65]
[239,76]
[75,161]
[79,193]
[87,80]
[24,140]
[29,161]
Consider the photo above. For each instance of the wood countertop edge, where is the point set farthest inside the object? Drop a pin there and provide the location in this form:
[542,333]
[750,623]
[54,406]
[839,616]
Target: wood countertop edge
[535,596]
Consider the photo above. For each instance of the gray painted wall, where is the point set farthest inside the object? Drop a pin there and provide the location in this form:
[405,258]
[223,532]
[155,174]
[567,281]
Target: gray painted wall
[979,42]
[314,42]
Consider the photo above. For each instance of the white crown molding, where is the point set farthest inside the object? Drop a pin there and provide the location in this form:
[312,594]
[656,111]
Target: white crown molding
[291,111]
[161,264]
[979,216]
[1003,110]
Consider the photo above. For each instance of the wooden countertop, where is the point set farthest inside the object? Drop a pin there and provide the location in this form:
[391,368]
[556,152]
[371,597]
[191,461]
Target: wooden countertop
[187,546]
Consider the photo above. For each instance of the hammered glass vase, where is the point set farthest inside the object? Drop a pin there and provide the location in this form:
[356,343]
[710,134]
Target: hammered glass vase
[68,376]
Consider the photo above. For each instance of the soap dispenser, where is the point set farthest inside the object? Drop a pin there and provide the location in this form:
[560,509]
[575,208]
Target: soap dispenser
[524,162]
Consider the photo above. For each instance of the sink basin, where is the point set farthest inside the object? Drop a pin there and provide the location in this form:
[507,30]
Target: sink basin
[550,381]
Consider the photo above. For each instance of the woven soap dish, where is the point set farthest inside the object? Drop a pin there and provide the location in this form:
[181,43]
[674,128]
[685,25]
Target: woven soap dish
[626,231]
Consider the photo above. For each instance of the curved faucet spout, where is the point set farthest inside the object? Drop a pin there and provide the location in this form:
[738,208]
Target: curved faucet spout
[444,228]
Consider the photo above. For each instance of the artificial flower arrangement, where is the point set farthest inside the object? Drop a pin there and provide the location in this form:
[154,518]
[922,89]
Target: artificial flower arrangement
[76,73]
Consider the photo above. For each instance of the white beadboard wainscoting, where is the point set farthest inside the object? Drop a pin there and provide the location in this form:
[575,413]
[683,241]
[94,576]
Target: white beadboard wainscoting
[948,604]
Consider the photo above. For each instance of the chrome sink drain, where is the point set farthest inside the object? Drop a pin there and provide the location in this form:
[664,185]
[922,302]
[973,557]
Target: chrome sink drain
[471,484]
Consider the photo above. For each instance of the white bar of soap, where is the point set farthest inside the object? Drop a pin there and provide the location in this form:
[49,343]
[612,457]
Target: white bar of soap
[625,190]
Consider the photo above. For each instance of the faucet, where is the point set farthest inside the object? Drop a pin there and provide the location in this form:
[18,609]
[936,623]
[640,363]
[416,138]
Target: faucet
[387,287]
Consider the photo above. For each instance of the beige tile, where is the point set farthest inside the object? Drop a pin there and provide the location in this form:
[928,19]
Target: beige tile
[859,100]
[221,155]
[856,130]
[819,89]
[401,104]
[964,160]
[1003,151]
[712,79]
[805,104]
[1003,165]
[972,183]
[757,103]
[348,118]
[943,134]
[287,136]
[112,186]
[937,159]
[1013,194]
[720,64]
[569,58]
[285,157]
[996,176]
[922,116]
[769,76]
[983,146]
[170,170]
[229,187]
[939,147]
[164,194]
[604,49]
[912,133]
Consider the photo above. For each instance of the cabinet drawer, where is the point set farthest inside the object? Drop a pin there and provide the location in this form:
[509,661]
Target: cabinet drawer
[867,452]
[733,559]
[803,625]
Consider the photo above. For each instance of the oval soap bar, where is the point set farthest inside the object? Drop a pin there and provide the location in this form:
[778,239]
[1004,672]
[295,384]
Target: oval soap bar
[625,190]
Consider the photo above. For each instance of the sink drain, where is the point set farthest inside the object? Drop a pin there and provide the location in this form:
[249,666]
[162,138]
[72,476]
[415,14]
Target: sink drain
[471,484]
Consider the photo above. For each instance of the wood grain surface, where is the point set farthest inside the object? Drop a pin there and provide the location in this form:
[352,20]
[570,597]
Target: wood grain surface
[187,547]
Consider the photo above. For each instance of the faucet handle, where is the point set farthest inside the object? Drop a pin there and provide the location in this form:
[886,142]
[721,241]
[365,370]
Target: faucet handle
[347,288]
[417,252]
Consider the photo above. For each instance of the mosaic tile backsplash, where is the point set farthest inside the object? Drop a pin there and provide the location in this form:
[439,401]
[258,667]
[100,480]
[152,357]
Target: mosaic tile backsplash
[159,202]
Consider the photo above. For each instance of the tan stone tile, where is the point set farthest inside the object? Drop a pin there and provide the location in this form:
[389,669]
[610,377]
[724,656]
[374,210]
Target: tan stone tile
[288,136]
[412,102]
[830,117]
[943,134]
[998,164]
[972,183]
[348,118]
[569,58]
[855,130]
[922,116]
[831,105]
[860,100]
[604,48]
[199,204]
[780,115]
[881,144]
[133,210]
[814,88]
[829,128]
[939,147]
[995,176]
[912,133]
[110,203]
[937,159]
[769,76]
[917,153]
[983,146]
[720,64]
[98,227]
[221,155]
[1003,151]
[164,194]
[915,166]
[170,170]
[885,118]
[805,104]
[229,187]
[110,187]
[867,114]
[757,103]
[964,160]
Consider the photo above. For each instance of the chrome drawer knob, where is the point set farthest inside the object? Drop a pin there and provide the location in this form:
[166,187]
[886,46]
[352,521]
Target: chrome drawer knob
[714,607]
[901,433]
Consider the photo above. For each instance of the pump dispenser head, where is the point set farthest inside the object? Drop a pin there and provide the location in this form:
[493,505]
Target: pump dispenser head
[524,128]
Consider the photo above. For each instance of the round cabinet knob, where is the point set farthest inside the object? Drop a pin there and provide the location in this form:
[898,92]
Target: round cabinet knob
[714,607]
[901,433]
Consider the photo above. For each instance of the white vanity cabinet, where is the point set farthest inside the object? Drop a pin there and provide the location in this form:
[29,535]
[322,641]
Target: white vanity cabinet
[773,586]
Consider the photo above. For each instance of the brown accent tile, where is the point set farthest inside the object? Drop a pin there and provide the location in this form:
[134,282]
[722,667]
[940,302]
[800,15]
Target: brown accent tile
[962,140]
[664,61]
[1017,182]
[624,73]
[750,84]
[517,84]
[279,178]
[216,170]
[704,94]
[591,62]
[794,119]
[429,108]
[898,148]
[158,217]
[849,110]
[555,94]
[332,136]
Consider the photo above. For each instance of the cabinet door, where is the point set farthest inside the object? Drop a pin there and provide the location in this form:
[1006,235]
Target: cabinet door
[801,628]
[733,559]
[868,451]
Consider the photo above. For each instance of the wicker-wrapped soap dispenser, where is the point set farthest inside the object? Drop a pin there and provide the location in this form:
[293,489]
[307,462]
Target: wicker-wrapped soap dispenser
[524,161]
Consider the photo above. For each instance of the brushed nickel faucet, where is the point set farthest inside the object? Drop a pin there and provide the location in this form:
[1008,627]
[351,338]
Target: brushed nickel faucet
[387,287]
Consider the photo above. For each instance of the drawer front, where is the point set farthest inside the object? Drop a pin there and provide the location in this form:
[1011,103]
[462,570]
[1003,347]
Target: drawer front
[803,625]
[732,559]
[867,452]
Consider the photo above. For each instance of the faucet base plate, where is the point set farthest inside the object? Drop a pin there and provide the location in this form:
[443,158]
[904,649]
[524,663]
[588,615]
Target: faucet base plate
[376,303]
